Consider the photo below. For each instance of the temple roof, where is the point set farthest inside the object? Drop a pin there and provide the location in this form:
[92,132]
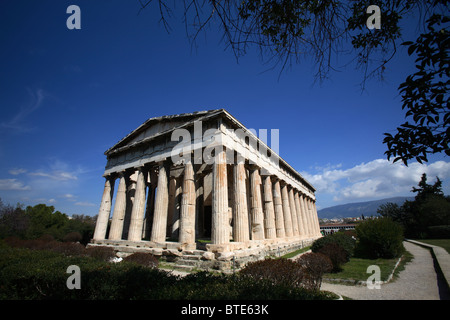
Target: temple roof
[160,126]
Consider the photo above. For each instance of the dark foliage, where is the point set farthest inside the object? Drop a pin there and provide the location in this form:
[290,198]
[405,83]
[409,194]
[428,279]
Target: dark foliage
[41,275]
[379,238]
[315,264]
[143,259]
[337,255]
[423,216]
[343,239]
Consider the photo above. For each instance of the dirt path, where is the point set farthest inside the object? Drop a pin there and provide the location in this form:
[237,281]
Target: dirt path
[418,281]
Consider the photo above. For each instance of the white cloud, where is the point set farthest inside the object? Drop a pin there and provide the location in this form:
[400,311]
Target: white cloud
[55,175]
[17,123]
[17,171]
[85,204]
[12,184]
[375,179]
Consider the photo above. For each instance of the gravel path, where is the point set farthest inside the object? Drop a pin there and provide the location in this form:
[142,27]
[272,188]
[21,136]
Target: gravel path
[418,281]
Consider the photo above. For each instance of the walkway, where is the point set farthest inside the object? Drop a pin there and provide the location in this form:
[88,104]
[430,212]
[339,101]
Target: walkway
[418,281]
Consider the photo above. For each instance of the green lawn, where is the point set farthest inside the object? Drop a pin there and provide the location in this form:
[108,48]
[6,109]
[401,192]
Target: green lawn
[444,243]
[356,268]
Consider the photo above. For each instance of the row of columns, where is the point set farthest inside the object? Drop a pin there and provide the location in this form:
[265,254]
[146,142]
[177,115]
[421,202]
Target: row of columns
[277,210]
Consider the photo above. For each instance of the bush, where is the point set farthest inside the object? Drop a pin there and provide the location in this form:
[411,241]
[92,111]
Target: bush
[337,255]
[315,264]
[379,238]
[277,271]
[438,232]
[41,274]
[101,253]
[143,259]
[344,240]
[73,236]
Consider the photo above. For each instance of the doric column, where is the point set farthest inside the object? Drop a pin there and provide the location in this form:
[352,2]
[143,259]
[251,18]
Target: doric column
[173,214]
[240,227]
[304,214]
[138,210]
[115,233]
[187,214]
[286,211]
[316,219]
[269,211]
[131,190]
[278,207]
[105,209]
[293,212]
[256,205]
[311,216]
[308,215]
[220,233]
[159,227]
[301,227]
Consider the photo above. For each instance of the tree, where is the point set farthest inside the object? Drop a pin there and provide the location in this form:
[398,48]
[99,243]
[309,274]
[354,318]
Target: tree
[429,209]
[288,31]
[13,221]
[425,96]
[45,220]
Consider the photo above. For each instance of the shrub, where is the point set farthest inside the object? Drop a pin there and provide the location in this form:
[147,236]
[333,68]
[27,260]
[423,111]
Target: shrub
[143,259]
[438,232]
[337,255]
[277,271]
[344,240]
[379,238]
[101,253]
[41,274]
[315,264]
[73,236]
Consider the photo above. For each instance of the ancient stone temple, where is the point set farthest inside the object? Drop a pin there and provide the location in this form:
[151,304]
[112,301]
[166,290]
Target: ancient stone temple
[201,189]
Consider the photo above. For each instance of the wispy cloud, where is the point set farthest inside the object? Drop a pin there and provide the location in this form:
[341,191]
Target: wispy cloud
[375,179]
[17,123]
[85,204]
[57,170]
[17,171]
[55,175]
[13,184]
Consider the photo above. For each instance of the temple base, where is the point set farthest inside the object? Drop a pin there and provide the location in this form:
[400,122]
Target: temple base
[223,257]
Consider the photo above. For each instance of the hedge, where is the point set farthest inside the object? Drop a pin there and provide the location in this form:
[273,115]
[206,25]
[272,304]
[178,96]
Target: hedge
[41,274]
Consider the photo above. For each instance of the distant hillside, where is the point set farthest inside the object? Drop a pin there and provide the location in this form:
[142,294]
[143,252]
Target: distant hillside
[368,208]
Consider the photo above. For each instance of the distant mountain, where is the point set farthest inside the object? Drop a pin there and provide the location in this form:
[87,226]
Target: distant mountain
[368,208]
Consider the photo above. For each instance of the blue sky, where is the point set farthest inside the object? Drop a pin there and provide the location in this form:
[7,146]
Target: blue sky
[68,95]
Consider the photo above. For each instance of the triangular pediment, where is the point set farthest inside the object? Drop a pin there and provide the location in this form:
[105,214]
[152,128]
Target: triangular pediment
[158,126]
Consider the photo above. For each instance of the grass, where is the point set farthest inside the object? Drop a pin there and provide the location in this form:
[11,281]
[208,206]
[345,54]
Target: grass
[444,243]
[296,252]
[356,269]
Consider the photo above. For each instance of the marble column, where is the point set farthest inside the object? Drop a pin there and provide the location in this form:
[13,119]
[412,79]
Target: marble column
[316,220]
[298,207]
[105,209]
[256,205]
[159,227]
[269,211]
[187,214]
[305,214]
[293,212]
[115,233]
[240,218]
[220,233]
[131,191]
[138,210]
[278,207]
[286,211]
[308,215]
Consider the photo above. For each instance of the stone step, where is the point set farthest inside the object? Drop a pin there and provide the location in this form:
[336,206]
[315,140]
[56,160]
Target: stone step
[190,257]
[192,263]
